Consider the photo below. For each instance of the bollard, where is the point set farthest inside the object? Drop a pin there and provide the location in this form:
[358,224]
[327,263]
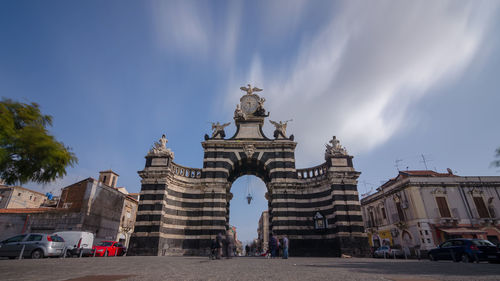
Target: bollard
[65,251]
[81,252]
[22,252]
[116,251]
[106,252]
[384,255]
[95,250]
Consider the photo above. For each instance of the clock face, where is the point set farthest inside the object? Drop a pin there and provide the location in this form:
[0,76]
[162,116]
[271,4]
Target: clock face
[249,104]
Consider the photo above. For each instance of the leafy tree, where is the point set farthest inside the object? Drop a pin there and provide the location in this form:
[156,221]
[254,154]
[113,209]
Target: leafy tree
[27,151]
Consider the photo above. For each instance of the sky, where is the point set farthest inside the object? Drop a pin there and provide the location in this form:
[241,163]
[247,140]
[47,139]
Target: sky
[396,81]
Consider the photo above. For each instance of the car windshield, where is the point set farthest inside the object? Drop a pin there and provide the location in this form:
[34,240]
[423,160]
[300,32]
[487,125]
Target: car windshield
[482,243]
[383,248]
[105,243]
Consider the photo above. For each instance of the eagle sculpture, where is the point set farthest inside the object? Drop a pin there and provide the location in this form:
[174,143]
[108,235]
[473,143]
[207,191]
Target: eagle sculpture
[250,90]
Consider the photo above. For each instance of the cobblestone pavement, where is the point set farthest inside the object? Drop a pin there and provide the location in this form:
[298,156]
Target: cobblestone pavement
[242,268]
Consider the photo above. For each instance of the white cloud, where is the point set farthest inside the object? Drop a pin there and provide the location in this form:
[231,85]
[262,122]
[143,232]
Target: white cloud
[357,77]
[194,29]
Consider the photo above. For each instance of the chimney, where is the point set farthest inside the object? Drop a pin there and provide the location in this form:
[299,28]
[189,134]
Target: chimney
[109,178]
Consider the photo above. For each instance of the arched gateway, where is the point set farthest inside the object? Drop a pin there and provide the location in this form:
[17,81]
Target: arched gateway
[181,209]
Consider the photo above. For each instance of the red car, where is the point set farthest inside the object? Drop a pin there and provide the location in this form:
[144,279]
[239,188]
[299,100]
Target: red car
[109,248]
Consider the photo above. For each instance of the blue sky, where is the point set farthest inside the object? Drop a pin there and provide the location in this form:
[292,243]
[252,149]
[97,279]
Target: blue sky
[391,79]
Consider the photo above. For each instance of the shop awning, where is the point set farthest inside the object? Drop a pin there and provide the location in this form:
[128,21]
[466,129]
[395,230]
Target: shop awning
[462,230]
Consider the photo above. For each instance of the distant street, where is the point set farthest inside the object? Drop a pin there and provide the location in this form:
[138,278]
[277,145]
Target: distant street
[242,268]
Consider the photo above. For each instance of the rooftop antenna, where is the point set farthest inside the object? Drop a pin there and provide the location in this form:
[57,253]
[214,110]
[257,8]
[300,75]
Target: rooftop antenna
[397,163]
[424,160]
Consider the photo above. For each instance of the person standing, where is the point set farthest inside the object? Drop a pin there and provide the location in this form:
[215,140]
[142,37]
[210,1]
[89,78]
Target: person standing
[273,245]
[247,250]
[285,247]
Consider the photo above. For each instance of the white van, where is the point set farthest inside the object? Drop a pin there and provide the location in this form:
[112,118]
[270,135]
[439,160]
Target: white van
[77,242]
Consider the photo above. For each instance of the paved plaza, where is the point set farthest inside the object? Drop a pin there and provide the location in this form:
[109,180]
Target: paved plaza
[242,268]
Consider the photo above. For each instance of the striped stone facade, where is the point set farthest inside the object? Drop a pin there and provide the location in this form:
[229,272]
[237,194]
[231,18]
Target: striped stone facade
[181,209]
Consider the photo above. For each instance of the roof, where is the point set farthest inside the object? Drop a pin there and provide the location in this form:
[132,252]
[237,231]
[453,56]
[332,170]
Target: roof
[29,210]
[20,187]
[425,173]
[108,171]
[416,173]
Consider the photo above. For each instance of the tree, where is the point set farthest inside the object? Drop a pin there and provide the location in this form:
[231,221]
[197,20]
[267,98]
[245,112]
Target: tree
[27,151]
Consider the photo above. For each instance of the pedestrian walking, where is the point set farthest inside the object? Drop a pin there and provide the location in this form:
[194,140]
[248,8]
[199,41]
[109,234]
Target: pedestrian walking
[218,245]
[285,247]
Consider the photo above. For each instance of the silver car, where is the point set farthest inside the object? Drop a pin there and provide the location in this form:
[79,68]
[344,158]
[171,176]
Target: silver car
[36,245]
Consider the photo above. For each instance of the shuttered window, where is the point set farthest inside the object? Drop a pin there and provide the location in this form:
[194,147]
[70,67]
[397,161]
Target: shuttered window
[443,207]
[481,207]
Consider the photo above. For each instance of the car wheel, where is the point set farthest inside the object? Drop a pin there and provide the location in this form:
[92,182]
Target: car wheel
[432,257]
[37,254]
[466,258]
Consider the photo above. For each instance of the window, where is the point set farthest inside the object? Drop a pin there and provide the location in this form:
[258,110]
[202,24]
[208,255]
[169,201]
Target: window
[31,197]
[421,232]
[443,207]
[34,237]
[423,240]
[19,194]
[372,219]
[428,240]
[426,232]
[481,207]
[383,213]
[104,179]
[17,238]
[114,181]
[447,244]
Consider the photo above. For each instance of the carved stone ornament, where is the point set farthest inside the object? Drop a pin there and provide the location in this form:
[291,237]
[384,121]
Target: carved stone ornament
[249,150]
[439,190]
[476,191]
[160,148]
[334,148]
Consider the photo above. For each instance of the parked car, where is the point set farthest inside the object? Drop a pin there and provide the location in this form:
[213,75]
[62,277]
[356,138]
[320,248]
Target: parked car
[36,245]
[77,242]
[466,250]
[387,252]
[109,248]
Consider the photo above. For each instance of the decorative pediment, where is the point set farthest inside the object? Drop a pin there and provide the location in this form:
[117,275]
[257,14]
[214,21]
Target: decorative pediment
[439,190]
[475,191]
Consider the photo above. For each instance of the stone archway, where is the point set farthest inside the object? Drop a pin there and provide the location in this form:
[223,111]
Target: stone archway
[181,209]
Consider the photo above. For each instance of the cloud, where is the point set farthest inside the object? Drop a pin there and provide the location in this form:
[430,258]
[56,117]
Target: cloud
[197,29]
[181,26]
[358,76]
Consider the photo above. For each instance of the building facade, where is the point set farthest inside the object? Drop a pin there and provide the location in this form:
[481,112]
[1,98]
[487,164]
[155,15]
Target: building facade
[88,205]
[418,210]
[20,197]
[263,232]
[181,209]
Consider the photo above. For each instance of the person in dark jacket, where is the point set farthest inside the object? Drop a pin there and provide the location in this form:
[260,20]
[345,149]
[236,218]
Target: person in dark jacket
[273,245]
[218,245]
